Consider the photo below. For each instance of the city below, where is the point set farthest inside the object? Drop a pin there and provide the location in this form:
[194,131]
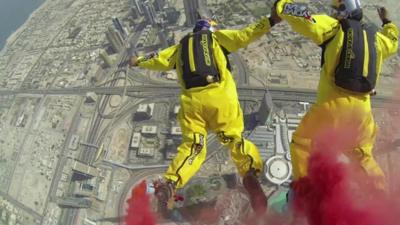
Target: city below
[79,130]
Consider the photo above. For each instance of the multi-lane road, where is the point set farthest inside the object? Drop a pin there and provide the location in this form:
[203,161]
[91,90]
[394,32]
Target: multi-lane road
[278,94]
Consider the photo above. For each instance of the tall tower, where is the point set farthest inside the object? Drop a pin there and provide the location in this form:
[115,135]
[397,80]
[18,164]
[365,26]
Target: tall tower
[265,112]
[134,12]
[139,5]
[118,26]
[115,39]
[149,12]
[163,38]
[191,7]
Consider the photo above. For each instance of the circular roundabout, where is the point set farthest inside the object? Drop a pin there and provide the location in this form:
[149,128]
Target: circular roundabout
[278,170]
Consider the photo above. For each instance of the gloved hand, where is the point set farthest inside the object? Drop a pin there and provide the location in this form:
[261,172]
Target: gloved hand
[165,193]
[274,18]
[383,15]
[133,61]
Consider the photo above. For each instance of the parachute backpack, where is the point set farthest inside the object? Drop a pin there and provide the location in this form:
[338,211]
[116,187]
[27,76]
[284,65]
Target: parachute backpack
[358,49]
[198,63]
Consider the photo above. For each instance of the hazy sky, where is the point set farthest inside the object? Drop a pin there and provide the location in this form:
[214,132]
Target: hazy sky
[13,14]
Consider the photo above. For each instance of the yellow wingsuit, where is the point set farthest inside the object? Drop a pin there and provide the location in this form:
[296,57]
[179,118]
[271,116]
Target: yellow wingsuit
[214,107]
[336,108]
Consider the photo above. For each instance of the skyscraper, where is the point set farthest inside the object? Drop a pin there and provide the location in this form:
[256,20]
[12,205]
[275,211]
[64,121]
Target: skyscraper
[191,7]
[134,12]
[162,38]
[149,12]
[139,6]
[115,39]
[266,109]
[118,26]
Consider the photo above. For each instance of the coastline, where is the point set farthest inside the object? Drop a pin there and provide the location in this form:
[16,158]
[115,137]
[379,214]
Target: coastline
[14,35]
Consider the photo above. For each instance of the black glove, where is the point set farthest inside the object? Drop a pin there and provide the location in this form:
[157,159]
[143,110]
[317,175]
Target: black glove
[383,15]
[276,3]
[274,18]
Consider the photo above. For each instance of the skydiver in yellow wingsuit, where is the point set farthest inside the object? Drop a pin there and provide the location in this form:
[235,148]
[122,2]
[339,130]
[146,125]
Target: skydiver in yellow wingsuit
[209,103]
[352,58]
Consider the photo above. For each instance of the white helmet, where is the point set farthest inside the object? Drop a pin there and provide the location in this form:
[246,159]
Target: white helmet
[346,8]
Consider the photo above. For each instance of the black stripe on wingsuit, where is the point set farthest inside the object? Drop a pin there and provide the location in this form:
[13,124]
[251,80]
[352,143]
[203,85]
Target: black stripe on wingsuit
[251,158]
[372,76]
[226,53]
[184,161]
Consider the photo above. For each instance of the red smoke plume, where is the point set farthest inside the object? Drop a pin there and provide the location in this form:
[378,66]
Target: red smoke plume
[338,193]
[139,210]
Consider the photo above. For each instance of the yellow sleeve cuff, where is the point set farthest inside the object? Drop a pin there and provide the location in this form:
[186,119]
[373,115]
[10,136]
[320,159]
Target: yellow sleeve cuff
[281,5]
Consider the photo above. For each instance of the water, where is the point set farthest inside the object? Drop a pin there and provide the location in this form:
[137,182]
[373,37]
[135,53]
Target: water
[13,13]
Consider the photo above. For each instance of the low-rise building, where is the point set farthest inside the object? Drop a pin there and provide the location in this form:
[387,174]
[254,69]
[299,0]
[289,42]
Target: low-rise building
[144,151]
[85,169]
[149,130]
[135,141]
[176,131]
[148,146]
[74,142]
[144,111]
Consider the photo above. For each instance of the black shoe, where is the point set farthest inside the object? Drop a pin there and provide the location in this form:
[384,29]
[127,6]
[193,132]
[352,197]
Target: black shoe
[258,200]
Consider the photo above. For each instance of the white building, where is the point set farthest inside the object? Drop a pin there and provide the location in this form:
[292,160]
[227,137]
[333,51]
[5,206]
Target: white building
[135,141]
[176,130]
[144,111]
[149,130]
